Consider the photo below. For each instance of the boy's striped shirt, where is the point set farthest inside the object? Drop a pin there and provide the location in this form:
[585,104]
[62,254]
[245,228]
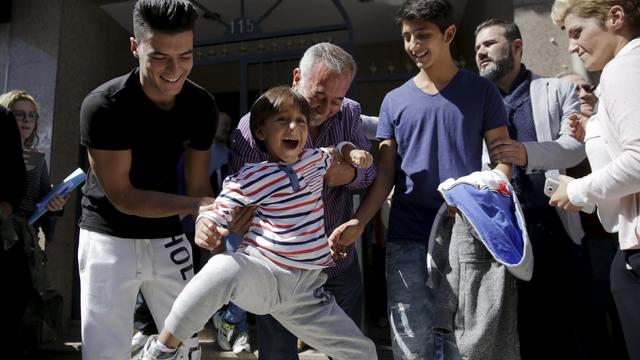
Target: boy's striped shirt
[288,227]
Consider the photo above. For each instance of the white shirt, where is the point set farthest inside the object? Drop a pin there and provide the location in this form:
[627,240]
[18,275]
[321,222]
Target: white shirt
[619,113]
[596,149]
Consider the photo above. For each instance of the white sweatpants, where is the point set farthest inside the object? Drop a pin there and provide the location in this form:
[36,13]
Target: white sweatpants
[112,270]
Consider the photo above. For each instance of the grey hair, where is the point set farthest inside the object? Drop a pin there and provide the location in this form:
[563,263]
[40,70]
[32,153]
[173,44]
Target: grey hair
[334,57]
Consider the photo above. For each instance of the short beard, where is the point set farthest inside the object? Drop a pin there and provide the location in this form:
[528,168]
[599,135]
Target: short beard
[501,67]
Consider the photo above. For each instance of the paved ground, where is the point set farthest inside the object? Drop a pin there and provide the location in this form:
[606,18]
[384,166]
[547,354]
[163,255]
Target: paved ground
[69,350]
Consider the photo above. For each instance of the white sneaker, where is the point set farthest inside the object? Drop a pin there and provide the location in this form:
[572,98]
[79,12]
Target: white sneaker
[154,351]
[137,343]
[242,343]
[190,350]
[225,332]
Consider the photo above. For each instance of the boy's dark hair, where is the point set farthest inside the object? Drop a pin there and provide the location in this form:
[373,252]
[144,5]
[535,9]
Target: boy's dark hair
[166,16]
[511,30]
[269,103]
[437,12]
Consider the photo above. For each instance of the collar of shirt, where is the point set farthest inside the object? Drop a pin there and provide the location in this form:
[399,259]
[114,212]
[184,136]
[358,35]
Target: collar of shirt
[630,46]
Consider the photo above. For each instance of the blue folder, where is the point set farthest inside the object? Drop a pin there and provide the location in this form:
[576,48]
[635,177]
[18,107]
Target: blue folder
[75,179]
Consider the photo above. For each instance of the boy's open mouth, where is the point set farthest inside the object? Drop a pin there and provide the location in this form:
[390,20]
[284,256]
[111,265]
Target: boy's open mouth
[290,143]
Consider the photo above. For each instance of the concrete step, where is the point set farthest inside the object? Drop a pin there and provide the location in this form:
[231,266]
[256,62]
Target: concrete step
[70,350]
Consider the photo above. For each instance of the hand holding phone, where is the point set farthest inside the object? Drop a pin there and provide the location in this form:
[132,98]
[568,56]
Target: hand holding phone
[551,185]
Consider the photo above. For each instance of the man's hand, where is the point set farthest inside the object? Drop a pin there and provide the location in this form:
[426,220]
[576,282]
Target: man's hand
[208,235]
[508,151]
[560,198]
[577,125]
[343,236]
[241,219]
[340,173]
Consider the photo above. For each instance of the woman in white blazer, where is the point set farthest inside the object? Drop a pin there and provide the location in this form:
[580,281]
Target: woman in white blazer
[605,34]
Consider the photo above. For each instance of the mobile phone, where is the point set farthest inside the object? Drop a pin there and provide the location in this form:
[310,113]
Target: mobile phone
[550,186]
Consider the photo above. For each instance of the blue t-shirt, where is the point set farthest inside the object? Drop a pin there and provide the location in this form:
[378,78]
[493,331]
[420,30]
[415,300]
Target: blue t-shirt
[439,137]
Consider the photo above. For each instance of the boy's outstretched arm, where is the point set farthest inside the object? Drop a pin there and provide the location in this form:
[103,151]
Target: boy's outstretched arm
[208,235]
[345,234]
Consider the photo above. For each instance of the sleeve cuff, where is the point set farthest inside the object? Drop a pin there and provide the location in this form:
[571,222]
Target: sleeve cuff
[342,144]
[209,216]
[577,192]
[531,159]
[353,185]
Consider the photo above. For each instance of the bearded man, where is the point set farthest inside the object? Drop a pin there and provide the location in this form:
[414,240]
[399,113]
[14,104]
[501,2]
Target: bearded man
[540,146]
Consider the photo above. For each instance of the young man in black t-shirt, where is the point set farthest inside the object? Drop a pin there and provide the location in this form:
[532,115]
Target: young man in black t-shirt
[135,128]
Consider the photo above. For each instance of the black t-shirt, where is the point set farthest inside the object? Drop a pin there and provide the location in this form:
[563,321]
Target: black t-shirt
[119,116]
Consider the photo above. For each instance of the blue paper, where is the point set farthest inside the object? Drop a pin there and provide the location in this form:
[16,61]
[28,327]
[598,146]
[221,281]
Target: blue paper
[75,179]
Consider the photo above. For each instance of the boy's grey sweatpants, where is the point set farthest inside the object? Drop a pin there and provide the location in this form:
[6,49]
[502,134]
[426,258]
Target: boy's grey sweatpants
[294,297]
[476,297]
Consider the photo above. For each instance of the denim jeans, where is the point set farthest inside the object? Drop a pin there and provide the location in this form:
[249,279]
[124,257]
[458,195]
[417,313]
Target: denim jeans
[277,343]
[411,304]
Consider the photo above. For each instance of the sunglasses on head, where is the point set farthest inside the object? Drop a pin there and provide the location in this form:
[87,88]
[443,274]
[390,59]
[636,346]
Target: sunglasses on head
[587,87]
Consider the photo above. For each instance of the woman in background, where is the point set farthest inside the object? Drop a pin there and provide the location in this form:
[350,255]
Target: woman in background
[27,112]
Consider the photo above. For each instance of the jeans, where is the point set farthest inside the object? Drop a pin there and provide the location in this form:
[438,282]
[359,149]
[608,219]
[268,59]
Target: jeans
[276,342]
[411,304]
[234,315]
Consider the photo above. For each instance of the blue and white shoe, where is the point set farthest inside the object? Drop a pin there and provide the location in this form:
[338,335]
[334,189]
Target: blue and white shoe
[152,350]
[225,332]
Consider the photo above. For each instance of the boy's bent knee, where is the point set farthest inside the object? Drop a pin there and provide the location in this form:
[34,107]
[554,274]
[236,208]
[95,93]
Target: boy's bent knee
[225,265]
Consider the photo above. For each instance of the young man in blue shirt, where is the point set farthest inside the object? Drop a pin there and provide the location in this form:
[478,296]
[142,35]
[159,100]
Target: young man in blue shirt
[431,128]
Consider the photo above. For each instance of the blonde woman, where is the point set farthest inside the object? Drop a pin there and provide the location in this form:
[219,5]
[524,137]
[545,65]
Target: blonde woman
[605,35]
[27,112]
